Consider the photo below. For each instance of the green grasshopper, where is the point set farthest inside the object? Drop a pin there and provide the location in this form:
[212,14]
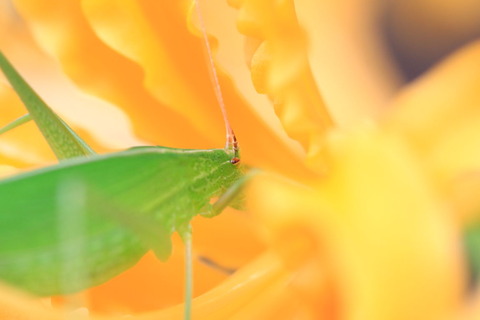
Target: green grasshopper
[112,208]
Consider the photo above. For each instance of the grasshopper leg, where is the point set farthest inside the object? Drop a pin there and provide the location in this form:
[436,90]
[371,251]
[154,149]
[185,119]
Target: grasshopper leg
[16,123]
[229,196]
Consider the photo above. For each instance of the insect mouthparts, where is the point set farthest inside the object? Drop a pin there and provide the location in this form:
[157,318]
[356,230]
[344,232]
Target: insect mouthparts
[235,160]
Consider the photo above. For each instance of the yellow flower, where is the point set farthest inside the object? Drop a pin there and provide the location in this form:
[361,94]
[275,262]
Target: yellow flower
[366,188]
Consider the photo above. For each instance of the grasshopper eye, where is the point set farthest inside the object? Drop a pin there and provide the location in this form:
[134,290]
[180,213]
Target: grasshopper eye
[235,160]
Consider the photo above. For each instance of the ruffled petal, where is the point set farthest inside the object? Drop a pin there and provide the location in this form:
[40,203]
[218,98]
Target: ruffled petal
[280,68]
[228,49]
[263,141]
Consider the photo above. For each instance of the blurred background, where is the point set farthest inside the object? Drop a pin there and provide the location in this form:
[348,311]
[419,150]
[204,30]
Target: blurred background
[419,33]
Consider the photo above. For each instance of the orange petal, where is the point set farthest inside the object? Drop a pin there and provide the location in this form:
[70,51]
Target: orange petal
[225,301]
[235,295]
[229,239]
[170,57]
[62,29]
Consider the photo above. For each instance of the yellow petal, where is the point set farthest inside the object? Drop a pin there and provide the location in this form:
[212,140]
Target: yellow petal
[376,224]
[354,70]
[439,116]
[18,306]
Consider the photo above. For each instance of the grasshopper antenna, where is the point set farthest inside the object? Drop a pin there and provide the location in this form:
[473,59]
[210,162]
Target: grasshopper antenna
[231,140]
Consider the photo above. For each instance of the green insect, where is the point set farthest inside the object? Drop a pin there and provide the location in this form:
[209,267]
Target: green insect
[79,223]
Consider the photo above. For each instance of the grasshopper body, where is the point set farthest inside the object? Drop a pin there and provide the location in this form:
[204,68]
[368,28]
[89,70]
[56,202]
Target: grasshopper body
[134,201]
